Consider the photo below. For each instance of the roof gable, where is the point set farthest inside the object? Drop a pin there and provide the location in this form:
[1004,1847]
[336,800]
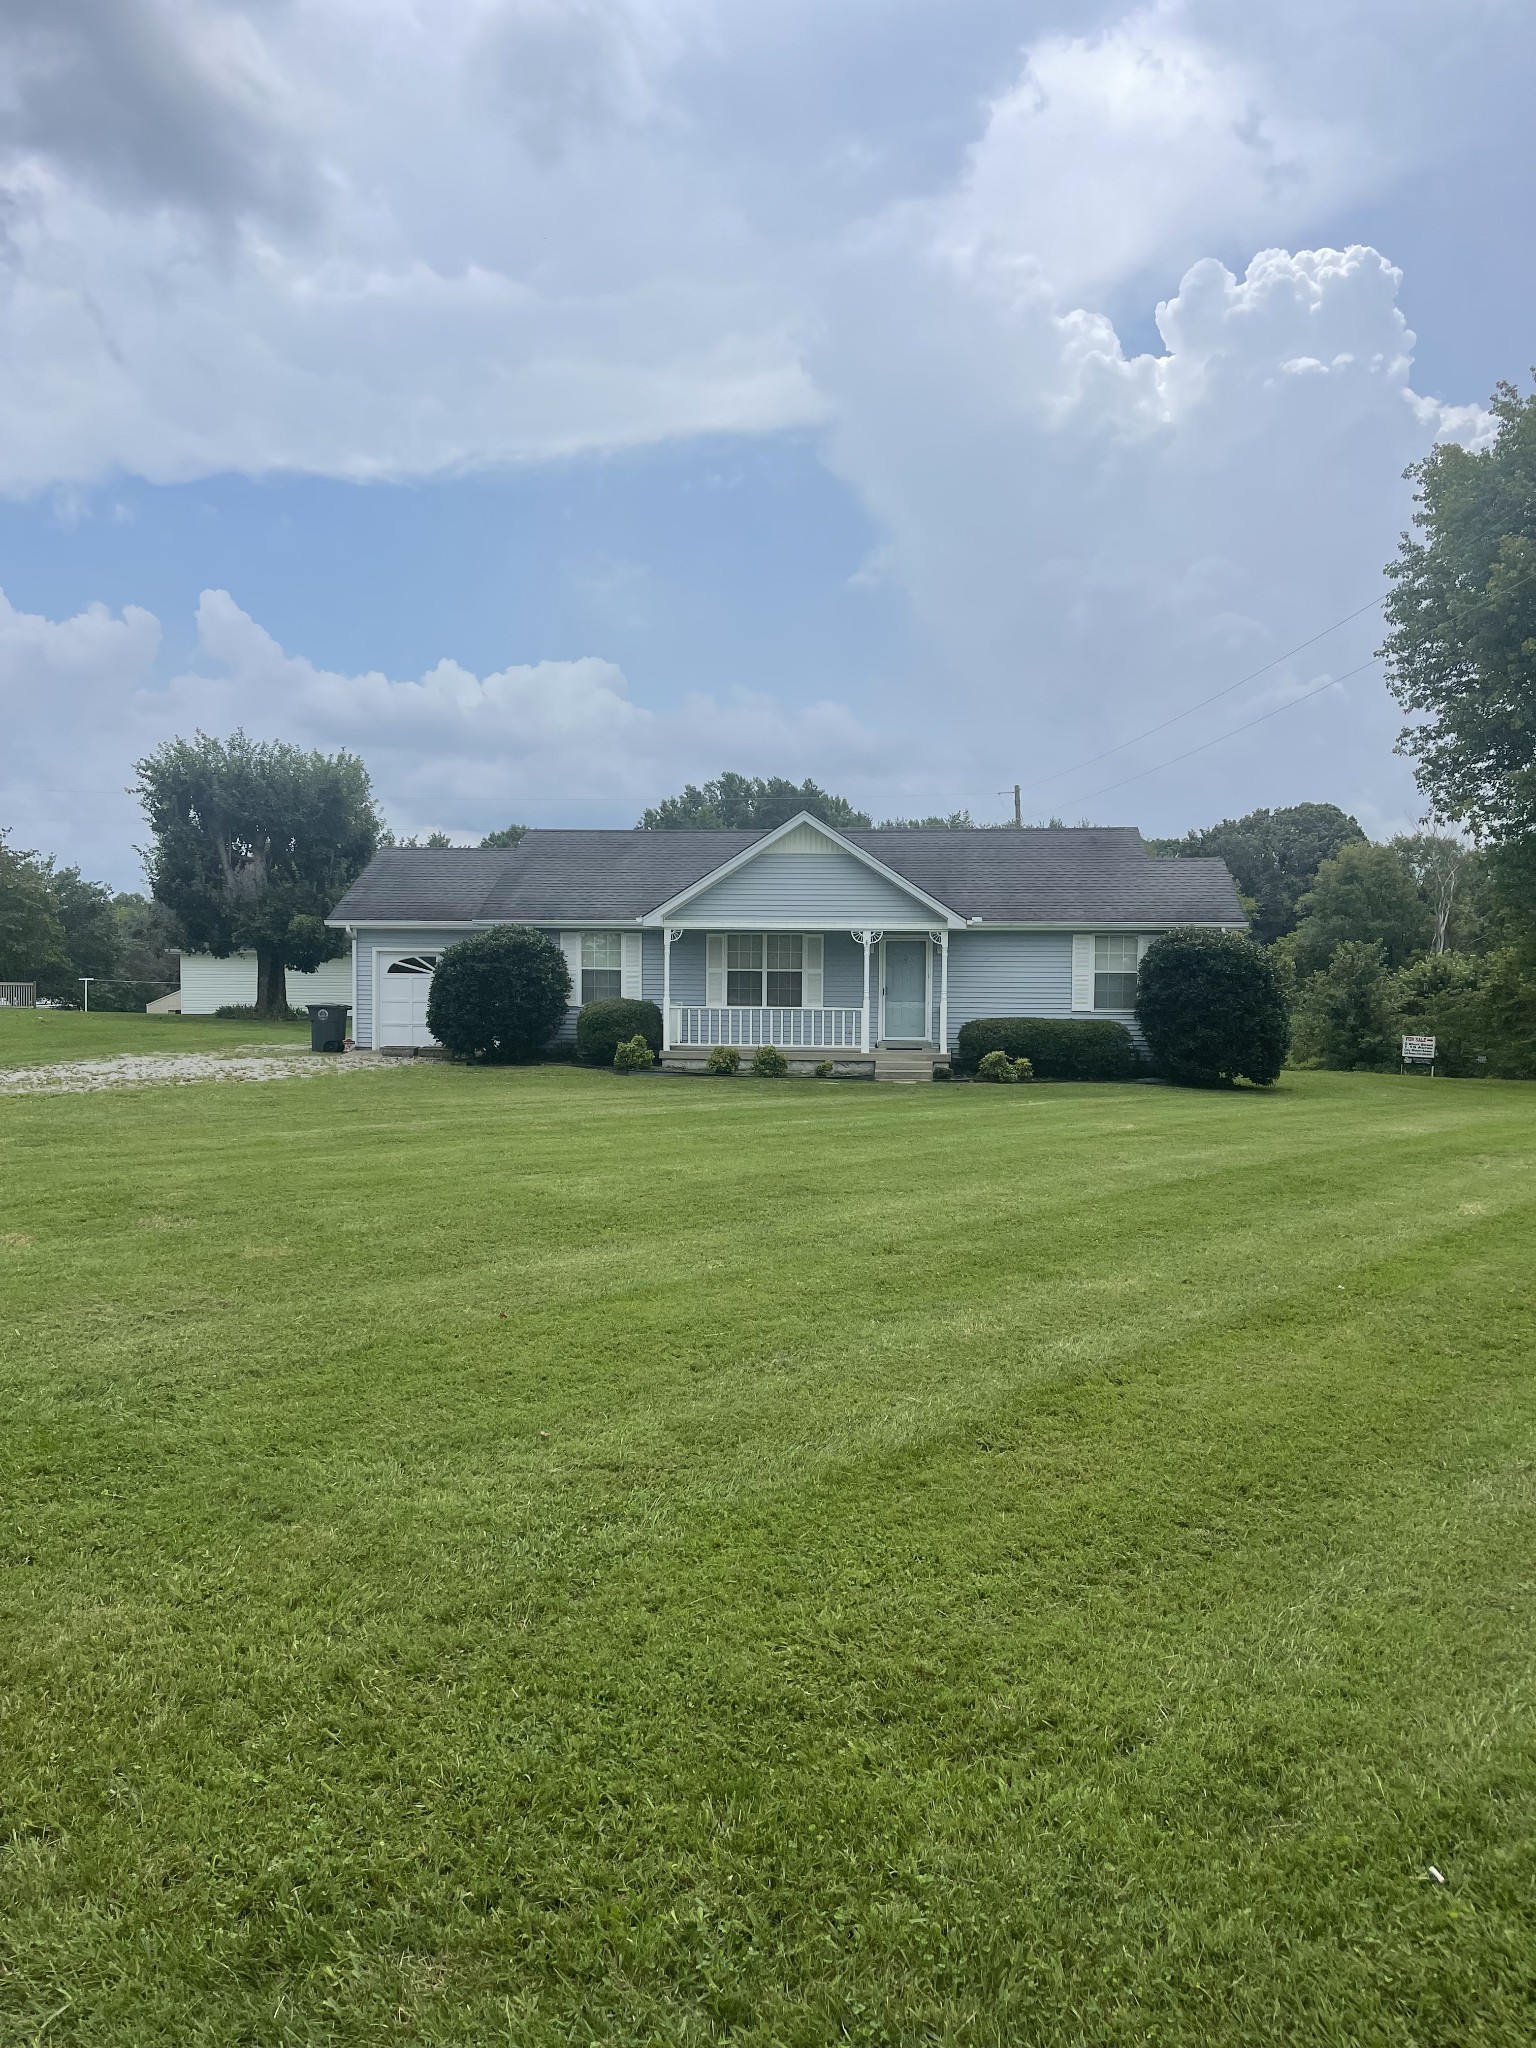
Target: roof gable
[806,869]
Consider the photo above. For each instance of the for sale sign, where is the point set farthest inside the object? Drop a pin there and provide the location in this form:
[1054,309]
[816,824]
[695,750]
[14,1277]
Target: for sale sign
[1419,1049]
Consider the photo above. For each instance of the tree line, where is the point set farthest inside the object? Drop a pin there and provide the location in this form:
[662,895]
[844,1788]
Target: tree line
[1433,931]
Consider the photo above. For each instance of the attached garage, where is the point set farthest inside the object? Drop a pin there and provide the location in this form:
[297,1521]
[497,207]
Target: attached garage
[403,984]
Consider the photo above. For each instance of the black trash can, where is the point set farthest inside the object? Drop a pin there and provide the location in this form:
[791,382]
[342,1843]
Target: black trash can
[327,1026]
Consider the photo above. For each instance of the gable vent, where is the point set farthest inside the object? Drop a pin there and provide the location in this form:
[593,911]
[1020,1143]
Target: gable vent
[804,839]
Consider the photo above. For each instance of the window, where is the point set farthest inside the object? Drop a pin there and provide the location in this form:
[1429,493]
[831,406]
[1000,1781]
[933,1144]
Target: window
[602,966]
[744,970]
[1114,971]
[786,952]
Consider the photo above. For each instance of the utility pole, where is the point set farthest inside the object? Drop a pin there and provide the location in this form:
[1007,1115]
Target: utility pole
[1018,815]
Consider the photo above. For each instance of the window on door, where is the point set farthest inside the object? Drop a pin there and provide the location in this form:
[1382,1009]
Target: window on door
[602,966]
[1114,971]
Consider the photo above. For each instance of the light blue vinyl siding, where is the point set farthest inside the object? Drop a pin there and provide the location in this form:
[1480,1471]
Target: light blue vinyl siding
[842,968]
[806,891]
[1016,974]
[1008,974]
[688,969]
[650,966]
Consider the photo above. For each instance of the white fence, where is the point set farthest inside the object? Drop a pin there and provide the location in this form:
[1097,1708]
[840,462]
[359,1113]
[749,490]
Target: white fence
[18,995]
[787,1028]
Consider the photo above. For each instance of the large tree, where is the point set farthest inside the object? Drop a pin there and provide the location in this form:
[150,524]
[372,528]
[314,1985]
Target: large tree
[748,803]
[254,841]
[1461,648]
[1365,895]
[148,941]
[1274,857]
[92,939]
[31,936]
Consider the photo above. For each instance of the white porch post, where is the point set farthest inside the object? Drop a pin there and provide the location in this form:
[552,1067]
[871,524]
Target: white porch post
[944,991]
[666,988]
[864,938]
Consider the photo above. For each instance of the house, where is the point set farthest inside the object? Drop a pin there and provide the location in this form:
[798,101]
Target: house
[209,984]
[867,948]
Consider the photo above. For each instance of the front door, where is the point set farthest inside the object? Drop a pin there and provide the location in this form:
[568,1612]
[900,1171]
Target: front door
[404,986]
[906,989]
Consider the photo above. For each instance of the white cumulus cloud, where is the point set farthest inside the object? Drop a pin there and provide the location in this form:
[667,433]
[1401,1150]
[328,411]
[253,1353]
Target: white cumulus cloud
[549,742]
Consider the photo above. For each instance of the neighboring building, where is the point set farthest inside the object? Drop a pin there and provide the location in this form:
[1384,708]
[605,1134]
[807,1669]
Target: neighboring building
[823,943]
[209,984]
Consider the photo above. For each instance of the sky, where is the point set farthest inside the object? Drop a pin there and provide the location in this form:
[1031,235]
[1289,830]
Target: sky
[555,401]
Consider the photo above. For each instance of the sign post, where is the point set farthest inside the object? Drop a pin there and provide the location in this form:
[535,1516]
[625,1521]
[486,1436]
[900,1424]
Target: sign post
[1417,1052]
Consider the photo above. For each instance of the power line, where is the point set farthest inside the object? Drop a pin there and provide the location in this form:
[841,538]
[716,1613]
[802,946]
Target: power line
[1232,735]
[1225,691]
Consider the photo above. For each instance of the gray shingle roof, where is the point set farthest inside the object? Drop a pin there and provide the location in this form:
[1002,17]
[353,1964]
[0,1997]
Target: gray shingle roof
[1084,874]
[1072,874]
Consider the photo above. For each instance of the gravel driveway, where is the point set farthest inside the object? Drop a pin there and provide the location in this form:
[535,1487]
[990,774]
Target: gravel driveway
[162,1070]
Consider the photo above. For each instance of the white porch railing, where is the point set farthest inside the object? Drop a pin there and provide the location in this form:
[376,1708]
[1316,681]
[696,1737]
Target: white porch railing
[784,1028]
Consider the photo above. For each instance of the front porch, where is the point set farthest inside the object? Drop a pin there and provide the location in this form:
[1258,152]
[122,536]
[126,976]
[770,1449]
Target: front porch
[813,995]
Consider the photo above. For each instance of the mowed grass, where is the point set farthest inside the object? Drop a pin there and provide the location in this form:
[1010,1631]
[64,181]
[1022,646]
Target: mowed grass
[541,1558]
[35,1038]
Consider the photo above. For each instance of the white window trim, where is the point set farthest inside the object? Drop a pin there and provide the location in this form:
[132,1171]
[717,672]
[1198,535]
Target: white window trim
[1085,968]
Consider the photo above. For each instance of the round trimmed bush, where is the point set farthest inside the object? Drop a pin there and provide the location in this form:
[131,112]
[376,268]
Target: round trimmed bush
[1213,1009]
[634,1056]
[500,996]
[725,1059]
[604,1026]
[995,1066]
[769,1063]
[824,1070]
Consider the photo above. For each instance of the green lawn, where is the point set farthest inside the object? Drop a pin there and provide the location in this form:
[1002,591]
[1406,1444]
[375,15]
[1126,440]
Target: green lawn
[536,1558]
[35,1038]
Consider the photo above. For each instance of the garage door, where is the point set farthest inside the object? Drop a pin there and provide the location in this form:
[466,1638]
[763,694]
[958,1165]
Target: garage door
[405,982]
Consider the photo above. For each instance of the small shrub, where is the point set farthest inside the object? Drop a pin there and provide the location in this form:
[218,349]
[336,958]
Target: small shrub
[499,996]
[1058,1048]
[769,1064]
[824,1070]
[634,1056]
[996,1066]
[1023,1071]
[1213,1009]
[725,1059]
[247,1013]
[603,1027]
[943,1074]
